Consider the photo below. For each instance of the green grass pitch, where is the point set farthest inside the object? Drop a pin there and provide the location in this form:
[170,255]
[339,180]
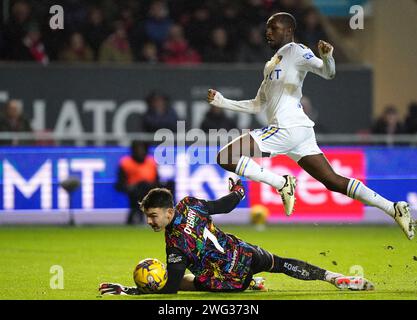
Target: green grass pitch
[90,255]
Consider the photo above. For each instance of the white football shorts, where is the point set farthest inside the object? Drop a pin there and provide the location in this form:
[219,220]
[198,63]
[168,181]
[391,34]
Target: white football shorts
[296,142]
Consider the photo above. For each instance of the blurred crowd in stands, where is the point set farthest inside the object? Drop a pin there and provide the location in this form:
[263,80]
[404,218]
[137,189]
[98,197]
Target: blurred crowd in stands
[390,121]
[160,114]
[173,32]
[150,31]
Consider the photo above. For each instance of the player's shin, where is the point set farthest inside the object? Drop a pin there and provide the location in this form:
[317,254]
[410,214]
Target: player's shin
[248,168]
[358,191]
[400,210]
[297,269]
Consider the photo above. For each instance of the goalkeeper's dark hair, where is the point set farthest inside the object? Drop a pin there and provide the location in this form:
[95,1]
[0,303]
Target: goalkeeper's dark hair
[286,19]
[157,198]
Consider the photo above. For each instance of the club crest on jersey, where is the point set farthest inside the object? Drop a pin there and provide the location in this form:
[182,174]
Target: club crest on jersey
[308,55]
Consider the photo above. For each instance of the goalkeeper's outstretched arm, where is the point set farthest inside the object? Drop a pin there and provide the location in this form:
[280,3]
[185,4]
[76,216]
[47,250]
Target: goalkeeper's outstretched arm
[177,280]
[187,284]
[229,202]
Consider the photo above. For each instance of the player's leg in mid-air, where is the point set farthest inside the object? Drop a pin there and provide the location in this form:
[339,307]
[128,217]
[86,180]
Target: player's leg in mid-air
[320,169]
[236,157]
[264,261]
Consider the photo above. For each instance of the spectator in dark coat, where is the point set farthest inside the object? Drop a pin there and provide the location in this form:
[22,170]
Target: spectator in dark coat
[411,118]
[219,49]
[389,122]
[12,120]
[215,118]
[200,26]
[158,22]
[160,114]
[16,28]
[311,31]
[96,30]
[255,49]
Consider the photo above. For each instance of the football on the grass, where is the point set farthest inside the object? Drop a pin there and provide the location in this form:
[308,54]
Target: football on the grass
[150,275]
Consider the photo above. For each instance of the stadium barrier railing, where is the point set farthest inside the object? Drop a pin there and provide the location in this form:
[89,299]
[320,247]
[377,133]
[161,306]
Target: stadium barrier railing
[196,138]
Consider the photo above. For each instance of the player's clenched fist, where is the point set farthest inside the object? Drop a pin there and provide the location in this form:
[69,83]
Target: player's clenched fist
[325,48]
[210,95]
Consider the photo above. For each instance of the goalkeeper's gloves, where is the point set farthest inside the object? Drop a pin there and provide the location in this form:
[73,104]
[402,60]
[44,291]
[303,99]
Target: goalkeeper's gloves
[117,289]
[237,187]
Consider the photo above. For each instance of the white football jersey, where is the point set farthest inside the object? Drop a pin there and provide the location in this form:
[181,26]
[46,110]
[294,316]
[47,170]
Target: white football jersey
[281,89]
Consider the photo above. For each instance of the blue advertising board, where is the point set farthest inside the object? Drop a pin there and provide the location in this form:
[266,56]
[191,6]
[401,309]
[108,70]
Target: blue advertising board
[30,176]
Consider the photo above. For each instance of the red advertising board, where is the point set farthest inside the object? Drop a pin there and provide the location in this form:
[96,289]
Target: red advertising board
[314,201]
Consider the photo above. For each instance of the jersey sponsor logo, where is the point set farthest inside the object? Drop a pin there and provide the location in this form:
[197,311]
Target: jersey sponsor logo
[274,74]
[190,222]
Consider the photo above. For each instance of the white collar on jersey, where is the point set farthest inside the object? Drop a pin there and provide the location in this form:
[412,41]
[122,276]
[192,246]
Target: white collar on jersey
[285,46]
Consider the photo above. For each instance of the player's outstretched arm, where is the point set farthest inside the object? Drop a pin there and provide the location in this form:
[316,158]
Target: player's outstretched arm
[216,99]
[229,202]
[324,67]
[176,265]
[108,288]
[326,54]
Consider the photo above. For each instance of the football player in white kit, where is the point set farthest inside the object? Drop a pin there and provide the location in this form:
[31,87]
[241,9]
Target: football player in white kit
[289,130]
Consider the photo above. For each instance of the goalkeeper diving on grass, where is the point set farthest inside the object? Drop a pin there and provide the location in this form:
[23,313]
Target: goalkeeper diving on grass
[218,261]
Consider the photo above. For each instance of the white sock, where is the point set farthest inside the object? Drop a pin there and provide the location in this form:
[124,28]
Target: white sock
[357,190]
[329,276]
[250,169]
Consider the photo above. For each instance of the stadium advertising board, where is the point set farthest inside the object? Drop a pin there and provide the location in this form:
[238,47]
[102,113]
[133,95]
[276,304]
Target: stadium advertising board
[29,180]
[75,106]
[314,201]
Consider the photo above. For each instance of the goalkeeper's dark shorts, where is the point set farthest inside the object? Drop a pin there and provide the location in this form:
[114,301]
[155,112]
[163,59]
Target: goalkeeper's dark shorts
[262,260]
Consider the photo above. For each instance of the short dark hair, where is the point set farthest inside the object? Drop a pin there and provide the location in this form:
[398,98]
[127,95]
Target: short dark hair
[157,198]
[286,19]
[156,94]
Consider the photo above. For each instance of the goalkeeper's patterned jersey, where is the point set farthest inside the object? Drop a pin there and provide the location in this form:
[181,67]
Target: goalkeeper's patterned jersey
[219,261]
